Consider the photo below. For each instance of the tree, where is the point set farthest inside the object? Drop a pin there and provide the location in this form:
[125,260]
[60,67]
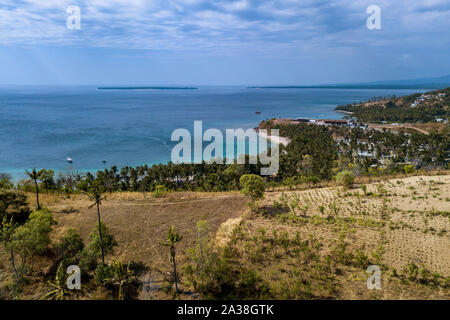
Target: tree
[5,181]
[253,186]
[91,253]
[116,274]
[234,172]
[14,205]
[34,177]
[172,240]
[47,179]
[95,194]
[307,165]
[32,239]
[6,235]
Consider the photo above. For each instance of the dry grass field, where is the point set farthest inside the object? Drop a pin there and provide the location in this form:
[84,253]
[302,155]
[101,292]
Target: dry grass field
[425,128]
[139,223]
[408,218]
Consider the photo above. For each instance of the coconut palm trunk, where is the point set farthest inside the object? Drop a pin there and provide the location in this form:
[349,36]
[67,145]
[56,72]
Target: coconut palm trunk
[100,232]
[34,176]
[121,295]
[175,277]
[13,262]
[37,194]
[172,239]
[95,194]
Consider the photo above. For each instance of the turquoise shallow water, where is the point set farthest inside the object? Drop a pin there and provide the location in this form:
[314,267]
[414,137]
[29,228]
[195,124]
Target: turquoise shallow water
[42,126]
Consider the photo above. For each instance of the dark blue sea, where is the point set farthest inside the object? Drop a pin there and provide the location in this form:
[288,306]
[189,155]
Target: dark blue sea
[42,126]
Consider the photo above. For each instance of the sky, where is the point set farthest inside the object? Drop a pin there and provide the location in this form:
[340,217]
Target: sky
[221,42]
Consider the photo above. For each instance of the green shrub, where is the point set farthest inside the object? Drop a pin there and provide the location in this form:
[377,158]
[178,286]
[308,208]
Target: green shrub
[412,271]
[345,178]
[92,252]
[34,236]
[29,240]
[361,259]
[408,168]
[160,191]
[103,273]
[70,245]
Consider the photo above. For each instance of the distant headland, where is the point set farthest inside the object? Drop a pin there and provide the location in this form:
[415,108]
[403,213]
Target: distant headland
[423,83]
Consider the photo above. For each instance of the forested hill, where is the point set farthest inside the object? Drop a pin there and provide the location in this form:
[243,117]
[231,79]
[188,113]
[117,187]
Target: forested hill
[431,106]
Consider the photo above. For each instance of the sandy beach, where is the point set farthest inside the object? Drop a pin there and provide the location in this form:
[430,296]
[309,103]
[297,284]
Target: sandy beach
[342,111]
[278,140]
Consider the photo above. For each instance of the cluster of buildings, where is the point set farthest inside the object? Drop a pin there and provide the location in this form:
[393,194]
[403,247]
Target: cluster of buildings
[352,123]
[369,150]
[425,97]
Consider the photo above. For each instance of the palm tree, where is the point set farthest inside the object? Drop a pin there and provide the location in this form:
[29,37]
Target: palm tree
[59,291]
[34,177]
[172,239]
[122,276]
[95,194]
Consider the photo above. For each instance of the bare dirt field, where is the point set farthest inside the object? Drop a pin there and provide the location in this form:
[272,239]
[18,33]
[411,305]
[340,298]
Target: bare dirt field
[139,224]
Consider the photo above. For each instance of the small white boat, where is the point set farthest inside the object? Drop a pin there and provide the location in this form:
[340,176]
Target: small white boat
[69,160]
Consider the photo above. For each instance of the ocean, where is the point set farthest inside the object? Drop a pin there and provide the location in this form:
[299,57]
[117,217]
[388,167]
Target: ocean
[42,126]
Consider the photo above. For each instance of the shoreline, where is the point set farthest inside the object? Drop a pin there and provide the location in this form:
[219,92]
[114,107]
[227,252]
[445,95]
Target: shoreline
[278,140]
[342,111]
[18,174]
[139,151]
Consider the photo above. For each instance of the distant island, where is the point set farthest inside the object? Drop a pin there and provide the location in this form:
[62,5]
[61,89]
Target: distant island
[147,88]
[359,86]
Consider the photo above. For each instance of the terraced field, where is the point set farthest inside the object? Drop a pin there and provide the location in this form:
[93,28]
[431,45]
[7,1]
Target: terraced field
[400,224]
[414,214]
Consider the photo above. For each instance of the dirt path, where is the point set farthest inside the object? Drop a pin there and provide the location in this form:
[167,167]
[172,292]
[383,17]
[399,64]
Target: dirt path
[396,128]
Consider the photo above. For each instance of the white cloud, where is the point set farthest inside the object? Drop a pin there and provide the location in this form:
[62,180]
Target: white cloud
[217,24]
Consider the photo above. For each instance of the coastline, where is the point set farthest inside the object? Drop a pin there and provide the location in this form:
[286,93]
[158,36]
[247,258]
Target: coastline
[18,175]
[342,111]
[138,150]
[278,140]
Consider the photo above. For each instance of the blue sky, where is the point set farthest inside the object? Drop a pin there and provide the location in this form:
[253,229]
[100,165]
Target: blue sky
[220,42]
